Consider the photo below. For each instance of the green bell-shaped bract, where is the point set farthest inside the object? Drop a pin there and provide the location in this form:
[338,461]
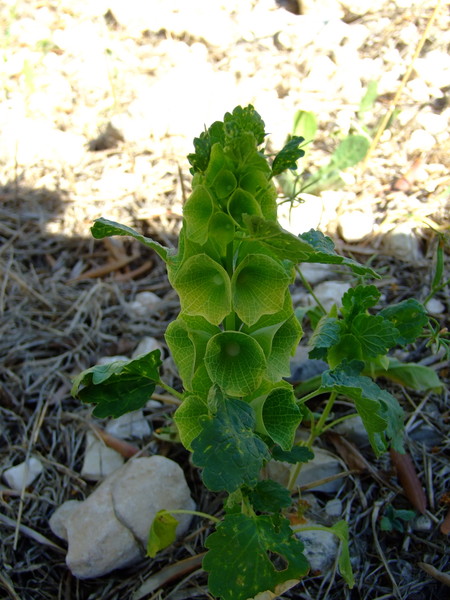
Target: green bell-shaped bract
[197,213]
[278,416]
[221,231]
[235,362]
[258,287]
[264,191]
[224,184]
[204,288]
[242,203]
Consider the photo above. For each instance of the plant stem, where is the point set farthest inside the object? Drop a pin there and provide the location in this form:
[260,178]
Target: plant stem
[170,389]
[337,421]
[310,290]
[197,513]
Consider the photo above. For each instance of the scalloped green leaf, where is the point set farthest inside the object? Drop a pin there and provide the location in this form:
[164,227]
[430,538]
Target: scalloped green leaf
[269,496]
[258,287]
[240,563]
[298,454]
[197,213]
[284,343]
[104,228]
[204,288]
[235,362]
[227,448]
[118,387]
[287,157]
[188,417]
[358,299]
[278,416]
[375,334]
[325,335]
[380,412]
[409,317]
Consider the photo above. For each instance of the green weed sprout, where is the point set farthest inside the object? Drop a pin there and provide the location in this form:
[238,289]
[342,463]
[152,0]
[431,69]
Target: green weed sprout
[232,342]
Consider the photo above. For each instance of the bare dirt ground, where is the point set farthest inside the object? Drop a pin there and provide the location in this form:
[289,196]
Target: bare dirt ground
[99,102]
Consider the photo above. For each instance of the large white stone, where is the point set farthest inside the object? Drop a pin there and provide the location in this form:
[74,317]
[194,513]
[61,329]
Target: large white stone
[331,292]
[355,225]
[109,529]
[402,242]
[321,548]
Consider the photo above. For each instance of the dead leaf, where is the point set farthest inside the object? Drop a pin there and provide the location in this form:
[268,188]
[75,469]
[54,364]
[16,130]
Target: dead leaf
[445,525]
[409,480]
[438,575]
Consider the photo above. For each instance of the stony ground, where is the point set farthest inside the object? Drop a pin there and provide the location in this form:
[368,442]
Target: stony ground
[99,102]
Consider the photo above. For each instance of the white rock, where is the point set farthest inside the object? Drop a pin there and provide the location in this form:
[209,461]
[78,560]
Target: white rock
[355,225]
[58,520]
[146,345]
[321,548]
[144,304]
[402,243]
[316,273]
[109,529]
[354,431]
[418,90]
[435,306]
[333,508]
[422,523]
[331,292]
[433,123]
[434,68]
[99,460]
[128,426]
[23,474]
[107,360]
[420,140]
[321,466]
[301,217]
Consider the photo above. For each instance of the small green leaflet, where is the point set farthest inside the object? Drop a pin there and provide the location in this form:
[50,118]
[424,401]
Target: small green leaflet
[104,228]
[358,299]
[269,496]
[239,563]
[288,156]
[409,317]
[188,418]
[162,533]
[298,454]
[230,453]
[119,387]
[325,335]
[380,412]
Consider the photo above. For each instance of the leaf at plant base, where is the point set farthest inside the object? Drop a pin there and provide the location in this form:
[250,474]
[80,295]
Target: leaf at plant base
[188,416]
[269,496]
[288,156]
[358,299]
[197,213]
[409,317]
[375,334]
[380,412]
[235,362]
[227,448]
[162,533]
[104,228]
[325,335]
[348,348]
[369,98]
[298,454]
[119,387]
[416,377]
[278,416]
[350,152]
[258,287]
[239,563]
[204,288]
[324,247]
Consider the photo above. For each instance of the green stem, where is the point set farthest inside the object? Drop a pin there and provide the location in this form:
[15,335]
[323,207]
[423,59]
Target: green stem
[181,511]
[170,389]
[337,421]
[310,290]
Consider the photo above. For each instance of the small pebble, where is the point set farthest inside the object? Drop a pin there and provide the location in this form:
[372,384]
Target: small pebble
[355,225]
[99,460]
[23,474]
[144,304]
[333,508]
[107,360]
[435,306]
[128,426]
[146,345]
[422,523]
[331,292]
